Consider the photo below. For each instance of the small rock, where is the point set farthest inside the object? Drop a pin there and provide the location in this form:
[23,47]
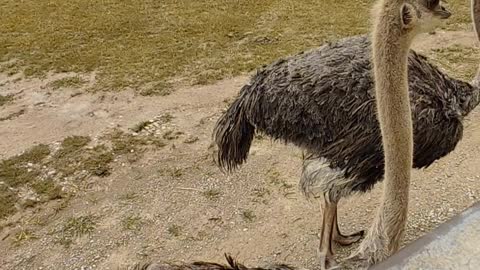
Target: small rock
[191,139]
[28,199]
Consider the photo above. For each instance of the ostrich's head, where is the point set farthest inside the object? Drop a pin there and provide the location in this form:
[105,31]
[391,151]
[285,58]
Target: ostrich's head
[420,16]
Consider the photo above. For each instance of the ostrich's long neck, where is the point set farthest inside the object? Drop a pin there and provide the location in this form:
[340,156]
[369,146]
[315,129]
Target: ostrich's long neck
[475,99]
[476,28]
[390,52]
[476,80]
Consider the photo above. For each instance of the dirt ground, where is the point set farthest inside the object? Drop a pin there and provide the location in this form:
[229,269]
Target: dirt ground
[174,204]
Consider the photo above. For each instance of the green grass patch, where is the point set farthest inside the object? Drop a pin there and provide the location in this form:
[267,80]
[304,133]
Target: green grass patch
[48,189]
[38,168]
[24,235]
[176,172]
[15,171]
[23,170]
[73,157]
[132,223]
[10,68]
[460,18]
[4,99]
[97,161]
[212,194]
[174,230]
[7,201]
[73,228]
[36,154]
[158,89]
[248,215]
[71,145]
[132,146]
[144,44]
[124,143]
[14,174]
[68,82]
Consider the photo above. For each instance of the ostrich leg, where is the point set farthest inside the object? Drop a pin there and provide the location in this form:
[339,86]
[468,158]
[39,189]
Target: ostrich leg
[331,233]
[325,251]
[345,240]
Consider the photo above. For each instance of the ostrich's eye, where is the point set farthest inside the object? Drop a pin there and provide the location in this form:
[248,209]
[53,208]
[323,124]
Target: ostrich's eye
[432,4]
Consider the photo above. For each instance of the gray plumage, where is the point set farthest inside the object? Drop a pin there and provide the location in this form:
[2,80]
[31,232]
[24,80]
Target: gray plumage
[200,265]
[323,101]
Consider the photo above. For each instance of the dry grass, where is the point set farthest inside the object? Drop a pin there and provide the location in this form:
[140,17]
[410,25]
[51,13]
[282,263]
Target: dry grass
[129,197]
[73,157]
[73,228]
[458,60]
[145,44]
[12,115]
[39,170]
[23,170]
[174,230]
[47,188]
[24,235]
[248,215]
[130,146]
[7,201]
[132,223]
[16,171]
[461,15]
[5,99]
[68,82]
[212,194]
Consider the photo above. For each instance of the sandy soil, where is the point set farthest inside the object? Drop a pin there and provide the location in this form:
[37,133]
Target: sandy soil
[259,216]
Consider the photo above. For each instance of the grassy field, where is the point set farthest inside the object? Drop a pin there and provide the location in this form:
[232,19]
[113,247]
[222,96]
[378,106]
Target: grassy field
[150,45]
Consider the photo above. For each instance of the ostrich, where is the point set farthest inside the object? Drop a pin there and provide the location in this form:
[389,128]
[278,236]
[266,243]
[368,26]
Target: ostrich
[200,265]
[323,101]
[397,23]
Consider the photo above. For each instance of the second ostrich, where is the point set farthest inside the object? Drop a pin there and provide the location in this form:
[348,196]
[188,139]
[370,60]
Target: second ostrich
[323,101]
[201,265]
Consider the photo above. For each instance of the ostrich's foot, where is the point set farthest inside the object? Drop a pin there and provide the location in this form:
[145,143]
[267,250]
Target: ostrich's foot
[346,240]
[331,233]
[372,250]
[327,262]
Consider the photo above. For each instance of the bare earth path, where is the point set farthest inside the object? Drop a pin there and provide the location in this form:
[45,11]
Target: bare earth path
[174,204]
